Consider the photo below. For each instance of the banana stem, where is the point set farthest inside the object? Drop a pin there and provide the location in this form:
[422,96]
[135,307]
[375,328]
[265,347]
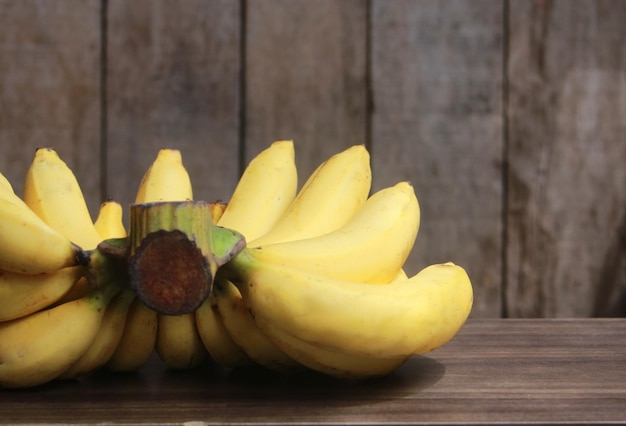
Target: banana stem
[174,252]
[106,265]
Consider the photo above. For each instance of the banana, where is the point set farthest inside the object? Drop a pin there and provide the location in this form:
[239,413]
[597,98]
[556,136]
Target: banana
[216,339]
[165,180]
[27,244]
[400,276]
[370,248]
[24,294]
[333,362]
[5,184]
[244,331]
[217,210]
[387,323]
[138,339]
[128,335]
[78,290]
[266,188]
[350,175]
[333,193]
[106,340]
[177,342]
[109,223]
[52,191]
[37,348]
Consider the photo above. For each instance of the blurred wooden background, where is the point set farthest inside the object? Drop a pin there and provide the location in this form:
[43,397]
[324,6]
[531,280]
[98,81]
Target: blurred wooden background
[509,117]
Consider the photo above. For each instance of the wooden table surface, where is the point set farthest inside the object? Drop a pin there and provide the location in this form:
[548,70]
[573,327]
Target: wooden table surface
[494,372]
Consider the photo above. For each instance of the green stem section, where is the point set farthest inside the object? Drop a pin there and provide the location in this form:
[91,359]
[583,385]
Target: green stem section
[174,251]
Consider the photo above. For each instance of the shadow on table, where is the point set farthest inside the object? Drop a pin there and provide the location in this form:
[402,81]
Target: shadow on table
[209,382]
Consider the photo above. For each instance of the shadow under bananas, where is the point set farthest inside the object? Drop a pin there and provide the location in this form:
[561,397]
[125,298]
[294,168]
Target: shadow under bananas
[417,373]
[209,389]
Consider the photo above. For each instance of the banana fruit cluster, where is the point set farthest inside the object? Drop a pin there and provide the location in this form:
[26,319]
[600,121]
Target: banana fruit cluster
[319,285]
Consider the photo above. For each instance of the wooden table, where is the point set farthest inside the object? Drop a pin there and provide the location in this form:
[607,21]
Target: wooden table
[493,372]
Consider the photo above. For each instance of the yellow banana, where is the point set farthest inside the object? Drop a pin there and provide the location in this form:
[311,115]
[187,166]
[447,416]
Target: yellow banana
[333,193]
[178,343]
[230,315]
[217,210]
[370,248]
[107,338]
[216,339]
[244,331]
[5,185]
[37,348]
[383,322]
[110,223]
[266,188]
[23,294]
[129,333]
[165,180]
[52,191]
[78,290]
[264,192]
[333,362]
[27,244]
[138,339]
[400,276]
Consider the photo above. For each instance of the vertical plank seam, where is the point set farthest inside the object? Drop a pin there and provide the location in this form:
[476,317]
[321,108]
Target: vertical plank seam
[504,311]
[103,100]
[242,87]
[369,95]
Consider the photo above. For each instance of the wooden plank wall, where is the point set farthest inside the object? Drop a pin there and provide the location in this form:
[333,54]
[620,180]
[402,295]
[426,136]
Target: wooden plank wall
[508,117]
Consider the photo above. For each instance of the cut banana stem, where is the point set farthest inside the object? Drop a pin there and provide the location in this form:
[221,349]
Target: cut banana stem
[170,274]
[175,250]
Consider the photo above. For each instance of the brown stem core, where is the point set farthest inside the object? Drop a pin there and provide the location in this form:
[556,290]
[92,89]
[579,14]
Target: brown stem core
[170,273]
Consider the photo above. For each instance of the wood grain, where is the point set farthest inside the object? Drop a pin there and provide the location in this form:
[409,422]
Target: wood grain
[494,372]
[305,77]
[508,117]
[173,82]
[49,88]
[437,121]
[567,150]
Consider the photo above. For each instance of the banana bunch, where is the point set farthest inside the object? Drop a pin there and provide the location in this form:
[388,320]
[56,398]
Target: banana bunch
[54,321]
[321,283]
